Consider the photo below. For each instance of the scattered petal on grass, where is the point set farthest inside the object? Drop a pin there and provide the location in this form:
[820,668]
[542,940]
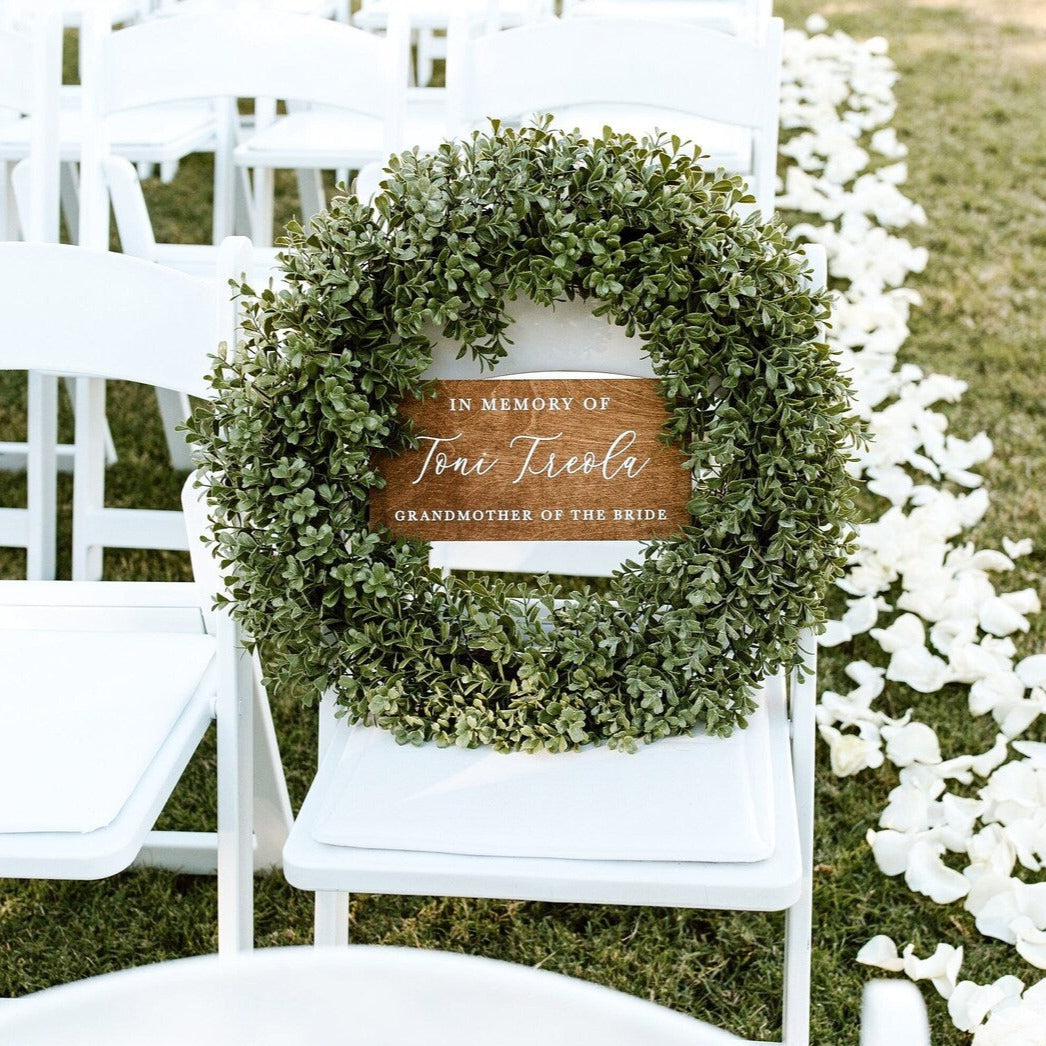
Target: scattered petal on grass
[928,874]
[942,968]
[881,952]
[970,1003]
[850,753]
[911,743]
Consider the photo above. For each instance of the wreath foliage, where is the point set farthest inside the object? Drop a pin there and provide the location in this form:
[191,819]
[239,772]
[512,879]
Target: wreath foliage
[652,241]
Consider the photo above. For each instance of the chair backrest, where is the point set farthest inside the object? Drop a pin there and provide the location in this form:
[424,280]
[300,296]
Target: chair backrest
[669,69]
[585,345]
[225,53]
[72,310]
[299,995]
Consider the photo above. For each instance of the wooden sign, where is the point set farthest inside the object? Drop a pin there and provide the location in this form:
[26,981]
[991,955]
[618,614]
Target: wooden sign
[536,460]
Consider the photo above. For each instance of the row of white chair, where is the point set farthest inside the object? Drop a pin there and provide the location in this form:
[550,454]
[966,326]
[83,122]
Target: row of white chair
[696,82]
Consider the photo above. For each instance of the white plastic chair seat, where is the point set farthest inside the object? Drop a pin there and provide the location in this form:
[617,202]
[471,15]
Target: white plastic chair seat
[198,259]
[394,819]
[152,134]
[375,995]
[109,718]
[328,138]
[726,145]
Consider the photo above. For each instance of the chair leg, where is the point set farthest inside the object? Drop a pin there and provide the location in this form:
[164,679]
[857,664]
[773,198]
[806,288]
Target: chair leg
[332,919]
[262,187]
[9,228]
[799,918]
[272,805]
[235,722]
[796,1018]
[69,192]
[42,473]
[243,207]
[88,478]
[174,410]
[310,193]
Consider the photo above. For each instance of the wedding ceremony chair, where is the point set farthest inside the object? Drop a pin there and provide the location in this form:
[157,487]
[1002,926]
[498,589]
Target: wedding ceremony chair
[158,136]
[345,94]
[107,688]
[694,822]
[219,56]
[30,70]
[274,996]
[716,91]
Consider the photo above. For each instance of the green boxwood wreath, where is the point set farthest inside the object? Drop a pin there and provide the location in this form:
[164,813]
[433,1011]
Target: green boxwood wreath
[652,241]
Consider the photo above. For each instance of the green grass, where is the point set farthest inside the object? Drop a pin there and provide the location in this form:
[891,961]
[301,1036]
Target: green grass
[970,111]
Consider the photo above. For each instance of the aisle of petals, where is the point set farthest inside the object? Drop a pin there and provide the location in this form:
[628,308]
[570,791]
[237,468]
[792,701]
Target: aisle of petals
[949,624]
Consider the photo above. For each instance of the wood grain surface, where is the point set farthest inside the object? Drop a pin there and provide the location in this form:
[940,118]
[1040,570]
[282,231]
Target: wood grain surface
[564,459]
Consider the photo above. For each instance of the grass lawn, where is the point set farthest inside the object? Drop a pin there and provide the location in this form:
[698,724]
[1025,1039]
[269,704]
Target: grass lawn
[970,110]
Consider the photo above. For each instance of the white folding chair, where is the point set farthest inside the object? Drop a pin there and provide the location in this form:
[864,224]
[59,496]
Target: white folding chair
[219,56]
[345,91]
[745,18]
[385,818]
[30,72]
[276,996]
[160,136]
[107,688]
[717,91]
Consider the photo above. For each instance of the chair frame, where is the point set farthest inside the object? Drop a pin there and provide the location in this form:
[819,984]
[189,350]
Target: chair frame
[32,60]
[782,882]
[121,302]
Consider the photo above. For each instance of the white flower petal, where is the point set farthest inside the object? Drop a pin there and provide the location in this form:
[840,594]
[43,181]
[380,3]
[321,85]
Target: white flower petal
[998,914]
[1000,619]
[1015,549]
[891,849]
[906,632]
[942,967]
[1014,717]
[912,743]
[907,811]
[867,676]
[918,668]
[991,853]
[834,634]
[986,763]
[999,688]
[990,559]
[849,753]
[1031,943]
[1035,752]
[1024,601]
[862,614]
[970,1003]
[1032,670]
[927,874]
[881,952]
